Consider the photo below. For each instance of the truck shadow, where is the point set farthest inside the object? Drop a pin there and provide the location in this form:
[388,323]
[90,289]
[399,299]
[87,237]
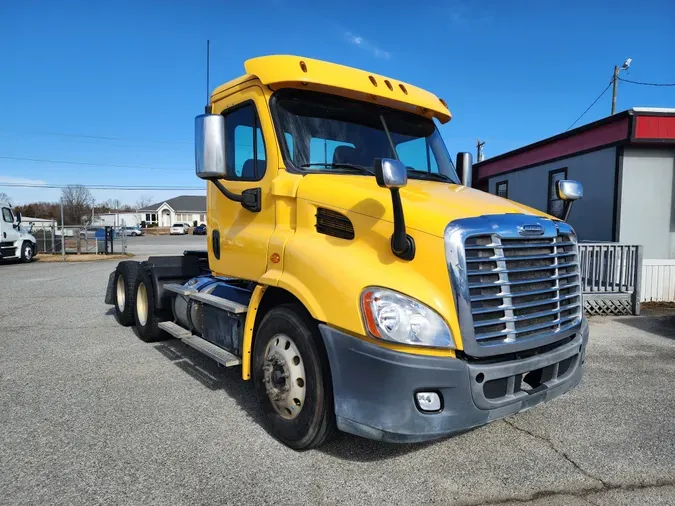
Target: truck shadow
[659,324]
[215,377]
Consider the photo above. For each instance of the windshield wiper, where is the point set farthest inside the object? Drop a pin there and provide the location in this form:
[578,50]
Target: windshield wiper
[351,166]
[423,174]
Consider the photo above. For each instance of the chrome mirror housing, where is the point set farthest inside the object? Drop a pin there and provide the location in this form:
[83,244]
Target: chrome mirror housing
[390,173]
[570,190]
[210,146]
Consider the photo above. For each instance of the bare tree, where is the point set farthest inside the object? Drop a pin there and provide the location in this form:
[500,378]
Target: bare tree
[77,202]
[143,202]
[6,198]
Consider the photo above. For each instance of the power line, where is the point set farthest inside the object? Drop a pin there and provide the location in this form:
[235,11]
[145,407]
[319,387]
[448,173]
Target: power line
[42,160]
[100,137]
[589,107]
[99,187]
[645,84]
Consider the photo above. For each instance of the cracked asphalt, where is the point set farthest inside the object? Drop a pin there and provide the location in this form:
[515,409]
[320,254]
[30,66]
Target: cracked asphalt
[89,414]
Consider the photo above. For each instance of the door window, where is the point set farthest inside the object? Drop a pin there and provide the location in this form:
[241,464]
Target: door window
[7,215]
[245,144]
[502,189]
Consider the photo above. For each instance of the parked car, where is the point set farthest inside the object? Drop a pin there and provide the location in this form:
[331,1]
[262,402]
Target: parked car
[178,229]
[199,230]
[133,231]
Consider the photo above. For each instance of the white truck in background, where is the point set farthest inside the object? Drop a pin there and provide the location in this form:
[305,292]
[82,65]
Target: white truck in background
[15,242]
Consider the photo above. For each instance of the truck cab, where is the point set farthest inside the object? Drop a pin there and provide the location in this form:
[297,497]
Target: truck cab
[353,273]
[15,242]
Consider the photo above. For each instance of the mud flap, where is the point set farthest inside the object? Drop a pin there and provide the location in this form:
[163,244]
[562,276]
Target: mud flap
[110,291]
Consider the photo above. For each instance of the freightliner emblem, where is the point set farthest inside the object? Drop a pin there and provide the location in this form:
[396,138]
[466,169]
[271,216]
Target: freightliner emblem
[532,229]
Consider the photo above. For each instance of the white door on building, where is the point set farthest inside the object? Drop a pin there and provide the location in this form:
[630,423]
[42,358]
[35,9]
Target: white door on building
[166,218]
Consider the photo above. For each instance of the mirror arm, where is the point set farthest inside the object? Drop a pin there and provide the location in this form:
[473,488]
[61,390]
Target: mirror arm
[402,245]
[249,199]
[567,207]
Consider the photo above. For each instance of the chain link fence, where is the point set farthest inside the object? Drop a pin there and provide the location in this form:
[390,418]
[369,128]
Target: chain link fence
[53,238]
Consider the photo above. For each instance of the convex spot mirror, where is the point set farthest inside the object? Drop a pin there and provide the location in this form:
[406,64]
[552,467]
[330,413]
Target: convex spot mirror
[570,190]
[390,173]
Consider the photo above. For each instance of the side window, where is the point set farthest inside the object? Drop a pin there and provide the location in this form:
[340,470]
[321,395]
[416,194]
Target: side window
[417,155]
[555,205]
[502,189]
[245,144]
[7,215]
[322,150]
[289,145]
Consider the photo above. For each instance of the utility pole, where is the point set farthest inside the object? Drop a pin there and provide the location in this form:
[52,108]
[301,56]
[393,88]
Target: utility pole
[63,235]
[615,83]
[479,150]
[615,80]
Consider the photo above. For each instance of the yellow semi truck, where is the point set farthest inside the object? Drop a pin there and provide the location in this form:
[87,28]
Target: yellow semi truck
[353,273]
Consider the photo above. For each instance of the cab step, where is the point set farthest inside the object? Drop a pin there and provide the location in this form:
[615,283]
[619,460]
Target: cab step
[217,353]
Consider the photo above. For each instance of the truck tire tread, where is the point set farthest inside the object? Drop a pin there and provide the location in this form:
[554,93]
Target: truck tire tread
[150,332]
[128,269]
[318,426]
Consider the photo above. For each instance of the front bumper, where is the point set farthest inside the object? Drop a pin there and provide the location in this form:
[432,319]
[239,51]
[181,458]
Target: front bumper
[374,388]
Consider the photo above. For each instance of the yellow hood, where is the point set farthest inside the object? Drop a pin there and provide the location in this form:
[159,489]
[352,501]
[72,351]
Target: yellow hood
[428,205]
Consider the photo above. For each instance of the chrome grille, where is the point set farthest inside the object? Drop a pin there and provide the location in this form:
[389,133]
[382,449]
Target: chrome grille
[521,288]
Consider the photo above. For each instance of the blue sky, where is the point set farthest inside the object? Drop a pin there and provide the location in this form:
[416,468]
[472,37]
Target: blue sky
[511,72]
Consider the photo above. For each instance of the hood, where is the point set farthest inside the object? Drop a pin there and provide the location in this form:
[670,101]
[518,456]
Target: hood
[428,206]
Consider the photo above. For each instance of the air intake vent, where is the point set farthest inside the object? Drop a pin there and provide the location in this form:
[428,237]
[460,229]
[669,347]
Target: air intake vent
[334,224]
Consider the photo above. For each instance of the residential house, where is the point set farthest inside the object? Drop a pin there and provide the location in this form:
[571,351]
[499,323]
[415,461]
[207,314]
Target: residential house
[184,209]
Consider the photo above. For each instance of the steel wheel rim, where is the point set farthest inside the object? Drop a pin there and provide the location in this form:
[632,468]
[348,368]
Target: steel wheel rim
[28,253]
[142,304]
[284,376]
[121,294]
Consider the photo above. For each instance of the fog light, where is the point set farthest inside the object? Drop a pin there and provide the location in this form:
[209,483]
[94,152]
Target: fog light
[428,401]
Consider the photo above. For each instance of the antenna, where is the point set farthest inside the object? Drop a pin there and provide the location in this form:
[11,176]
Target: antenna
[207,108]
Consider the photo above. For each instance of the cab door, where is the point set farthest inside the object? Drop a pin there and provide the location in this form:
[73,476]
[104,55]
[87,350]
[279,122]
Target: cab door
[8,234]
[238,238]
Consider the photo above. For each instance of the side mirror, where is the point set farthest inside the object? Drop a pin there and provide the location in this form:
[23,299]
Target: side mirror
[18,218]
[210,146]
[569,191]
[464,167]
[390,173]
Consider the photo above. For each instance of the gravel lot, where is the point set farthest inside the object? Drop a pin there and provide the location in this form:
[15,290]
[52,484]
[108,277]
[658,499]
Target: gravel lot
[89,414]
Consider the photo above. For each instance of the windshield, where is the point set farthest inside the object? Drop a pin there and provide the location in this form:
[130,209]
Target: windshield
[323,133]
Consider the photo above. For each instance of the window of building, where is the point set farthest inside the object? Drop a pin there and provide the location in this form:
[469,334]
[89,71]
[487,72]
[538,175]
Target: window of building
[502,189]
[7,215]
[555,205]
[245,144]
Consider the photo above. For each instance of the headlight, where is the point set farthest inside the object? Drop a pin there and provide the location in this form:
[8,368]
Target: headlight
[394,317]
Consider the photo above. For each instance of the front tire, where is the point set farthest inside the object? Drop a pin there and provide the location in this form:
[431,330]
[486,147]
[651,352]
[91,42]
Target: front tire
[147,318]
[27,252]
[125,294]
[292,378]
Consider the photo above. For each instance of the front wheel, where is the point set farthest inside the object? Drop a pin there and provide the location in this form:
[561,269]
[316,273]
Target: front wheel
[292,378]
[26,252]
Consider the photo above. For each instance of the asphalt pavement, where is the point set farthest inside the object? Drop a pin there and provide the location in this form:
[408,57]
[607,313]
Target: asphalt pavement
[89,414]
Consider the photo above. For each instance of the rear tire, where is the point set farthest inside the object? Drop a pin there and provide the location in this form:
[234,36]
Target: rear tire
[147,318]
[124,293]
[292,378]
